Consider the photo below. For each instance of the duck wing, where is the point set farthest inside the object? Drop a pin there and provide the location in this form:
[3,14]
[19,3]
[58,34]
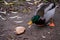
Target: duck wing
[49,14]
[48,7]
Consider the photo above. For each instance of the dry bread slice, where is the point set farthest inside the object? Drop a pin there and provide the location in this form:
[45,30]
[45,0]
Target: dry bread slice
[19,30]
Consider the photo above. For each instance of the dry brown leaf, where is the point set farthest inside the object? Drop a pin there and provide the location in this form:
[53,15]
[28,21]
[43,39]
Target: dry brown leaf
[25,10]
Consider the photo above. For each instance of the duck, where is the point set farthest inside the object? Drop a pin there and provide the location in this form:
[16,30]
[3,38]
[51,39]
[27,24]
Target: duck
[44,15]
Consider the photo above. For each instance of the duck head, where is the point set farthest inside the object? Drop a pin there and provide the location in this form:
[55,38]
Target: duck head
[34,19]
[38,20]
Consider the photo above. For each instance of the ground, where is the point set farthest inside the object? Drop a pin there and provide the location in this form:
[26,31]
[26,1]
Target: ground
[7,28]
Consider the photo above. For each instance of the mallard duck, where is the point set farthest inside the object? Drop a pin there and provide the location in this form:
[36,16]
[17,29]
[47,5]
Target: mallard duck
[44,14]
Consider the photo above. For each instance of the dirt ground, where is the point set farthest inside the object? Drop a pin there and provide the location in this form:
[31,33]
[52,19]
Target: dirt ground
[7,27]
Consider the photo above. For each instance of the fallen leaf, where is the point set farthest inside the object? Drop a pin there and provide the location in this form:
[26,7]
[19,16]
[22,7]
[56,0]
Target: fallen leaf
[30,3]
[43,36]
[18,17]
[3,12]
[2,18]
[13,17]
[28,0]
[14,12]
[6,3]
[36,2]
[24,10]
[18,21]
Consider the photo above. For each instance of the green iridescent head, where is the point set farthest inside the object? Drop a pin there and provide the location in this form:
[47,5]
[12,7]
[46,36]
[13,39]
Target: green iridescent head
[35,18]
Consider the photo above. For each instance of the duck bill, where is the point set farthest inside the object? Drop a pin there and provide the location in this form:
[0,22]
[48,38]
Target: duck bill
[30,23]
